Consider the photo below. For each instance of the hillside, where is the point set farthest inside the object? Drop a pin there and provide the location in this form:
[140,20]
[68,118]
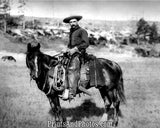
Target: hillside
[52,36]
[7,45]
[97,24]
[13,44]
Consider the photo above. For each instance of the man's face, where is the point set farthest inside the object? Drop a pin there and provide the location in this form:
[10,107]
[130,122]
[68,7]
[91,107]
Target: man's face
[73,23]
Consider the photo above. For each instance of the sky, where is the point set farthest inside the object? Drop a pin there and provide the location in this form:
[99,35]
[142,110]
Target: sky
[93,9]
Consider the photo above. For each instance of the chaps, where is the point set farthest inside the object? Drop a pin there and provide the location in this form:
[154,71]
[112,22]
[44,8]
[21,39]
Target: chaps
[74,74]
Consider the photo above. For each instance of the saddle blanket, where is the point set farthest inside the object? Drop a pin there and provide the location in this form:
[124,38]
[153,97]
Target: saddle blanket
[96,76]
[96,73]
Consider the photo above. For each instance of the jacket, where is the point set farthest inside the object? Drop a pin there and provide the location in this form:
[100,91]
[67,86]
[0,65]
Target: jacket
[78,38]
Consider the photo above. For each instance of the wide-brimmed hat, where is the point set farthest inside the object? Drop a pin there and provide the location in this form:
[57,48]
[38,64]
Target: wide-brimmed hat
[67,19]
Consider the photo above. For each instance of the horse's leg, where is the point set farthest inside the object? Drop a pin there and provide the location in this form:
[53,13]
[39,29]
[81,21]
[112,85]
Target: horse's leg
[116,104]
[107,102]
[56,108]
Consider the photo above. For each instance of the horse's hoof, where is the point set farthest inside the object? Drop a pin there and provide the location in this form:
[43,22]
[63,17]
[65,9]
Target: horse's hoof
[109,124]
[115,124]
[104,117]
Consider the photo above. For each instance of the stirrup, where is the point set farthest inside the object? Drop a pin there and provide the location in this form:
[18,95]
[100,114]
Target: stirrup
[65,94]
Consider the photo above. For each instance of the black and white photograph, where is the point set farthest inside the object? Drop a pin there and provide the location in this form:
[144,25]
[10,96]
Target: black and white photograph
[79,64]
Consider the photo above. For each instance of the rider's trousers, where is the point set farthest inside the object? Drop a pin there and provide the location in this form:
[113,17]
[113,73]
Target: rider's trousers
[78,74]
[74,74]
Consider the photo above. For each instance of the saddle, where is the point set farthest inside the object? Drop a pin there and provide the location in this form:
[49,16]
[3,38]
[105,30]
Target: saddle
[94,75]
[95,72]
[93,69]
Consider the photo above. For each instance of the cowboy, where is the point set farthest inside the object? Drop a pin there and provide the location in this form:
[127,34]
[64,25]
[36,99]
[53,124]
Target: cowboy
[78,42]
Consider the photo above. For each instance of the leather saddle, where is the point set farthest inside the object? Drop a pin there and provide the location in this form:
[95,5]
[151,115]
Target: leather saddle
[95,72]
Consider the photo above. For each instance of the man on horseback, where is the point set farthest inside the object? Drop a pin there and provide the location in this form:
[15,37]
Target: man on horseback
[78,42]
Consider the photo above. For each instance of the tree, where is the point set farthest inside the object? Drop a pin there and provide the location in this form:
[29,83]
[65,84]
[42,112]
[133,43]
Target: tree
[153,33]
[143,28]
[21,8]
[37,23]
[4,12]
[5,6]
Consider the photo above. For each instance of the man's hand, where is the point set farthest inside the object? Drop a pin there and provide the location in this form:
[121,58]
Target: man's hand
[72,51]
[64,50]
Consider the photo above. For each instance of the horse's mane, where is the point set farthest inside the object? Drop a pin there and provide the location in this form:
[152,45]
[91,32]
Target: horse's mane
[47,59]
[44,58]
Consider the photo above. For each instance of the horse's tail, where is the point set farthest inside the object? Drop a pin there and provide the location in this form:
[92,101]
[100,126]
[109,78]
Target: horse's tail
[120,90]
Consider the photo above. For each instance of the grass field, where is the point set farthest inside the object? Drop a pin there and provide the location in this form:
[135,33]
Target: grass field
[23,105]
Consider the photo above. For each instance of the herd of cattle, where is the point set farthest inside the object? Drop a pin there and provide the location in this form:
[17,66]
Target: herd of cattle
[98,38]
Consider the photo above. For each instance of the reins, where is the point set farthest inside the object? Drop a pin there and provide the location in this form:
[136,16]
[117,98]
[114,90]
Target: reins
[59,54]
[29,68]
[55,75]
[44,85]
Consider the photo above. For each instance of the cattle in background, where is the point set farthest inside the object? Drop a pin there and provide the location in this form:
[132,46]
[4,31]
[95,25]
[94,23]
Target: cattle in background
[133,39]
[102,41]
[92,39]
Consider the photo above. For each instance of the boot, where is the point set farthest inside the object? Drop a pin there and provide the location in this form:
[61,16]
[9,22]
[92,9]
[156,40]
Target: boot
[72,92]
[82,88]
[68,95]
[73,77]
[65,94]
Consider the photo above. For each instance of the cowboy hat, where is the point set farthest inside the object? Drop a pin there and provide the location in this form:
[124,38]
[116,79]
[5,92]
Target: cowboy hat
[67,19]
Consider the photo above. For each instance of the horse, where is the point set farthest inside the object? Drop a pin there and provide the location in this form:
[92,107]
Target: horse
[39,65]
[35,60]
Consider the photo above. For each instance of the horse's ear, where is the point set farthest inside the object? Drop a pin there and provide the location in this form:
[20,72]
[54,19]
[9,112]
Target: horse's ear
[29,47]
[38,46]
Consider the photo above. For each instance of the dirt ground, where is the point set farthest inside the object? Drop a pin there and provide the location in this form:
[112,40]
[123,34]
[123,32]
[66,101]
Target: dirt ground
[22,104]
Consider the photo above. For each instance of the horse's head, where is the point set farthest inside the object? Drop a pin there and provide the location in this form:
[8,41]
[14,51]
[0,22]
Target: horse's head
[32,59]
[38,62]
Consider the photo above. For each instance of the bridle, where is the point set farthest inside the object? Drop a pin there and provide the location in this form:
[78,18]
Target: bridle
[57,77]
[31,77]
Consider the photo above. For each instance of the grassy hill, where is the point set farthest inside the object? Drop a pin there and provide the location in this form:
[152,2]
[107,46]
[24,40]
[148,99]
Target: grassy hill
[14,44]
[8,43]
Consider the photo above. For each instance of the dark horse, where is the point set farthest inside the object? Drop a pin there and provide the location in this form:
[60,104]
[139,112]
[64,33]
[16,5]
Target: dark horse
[39,64]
